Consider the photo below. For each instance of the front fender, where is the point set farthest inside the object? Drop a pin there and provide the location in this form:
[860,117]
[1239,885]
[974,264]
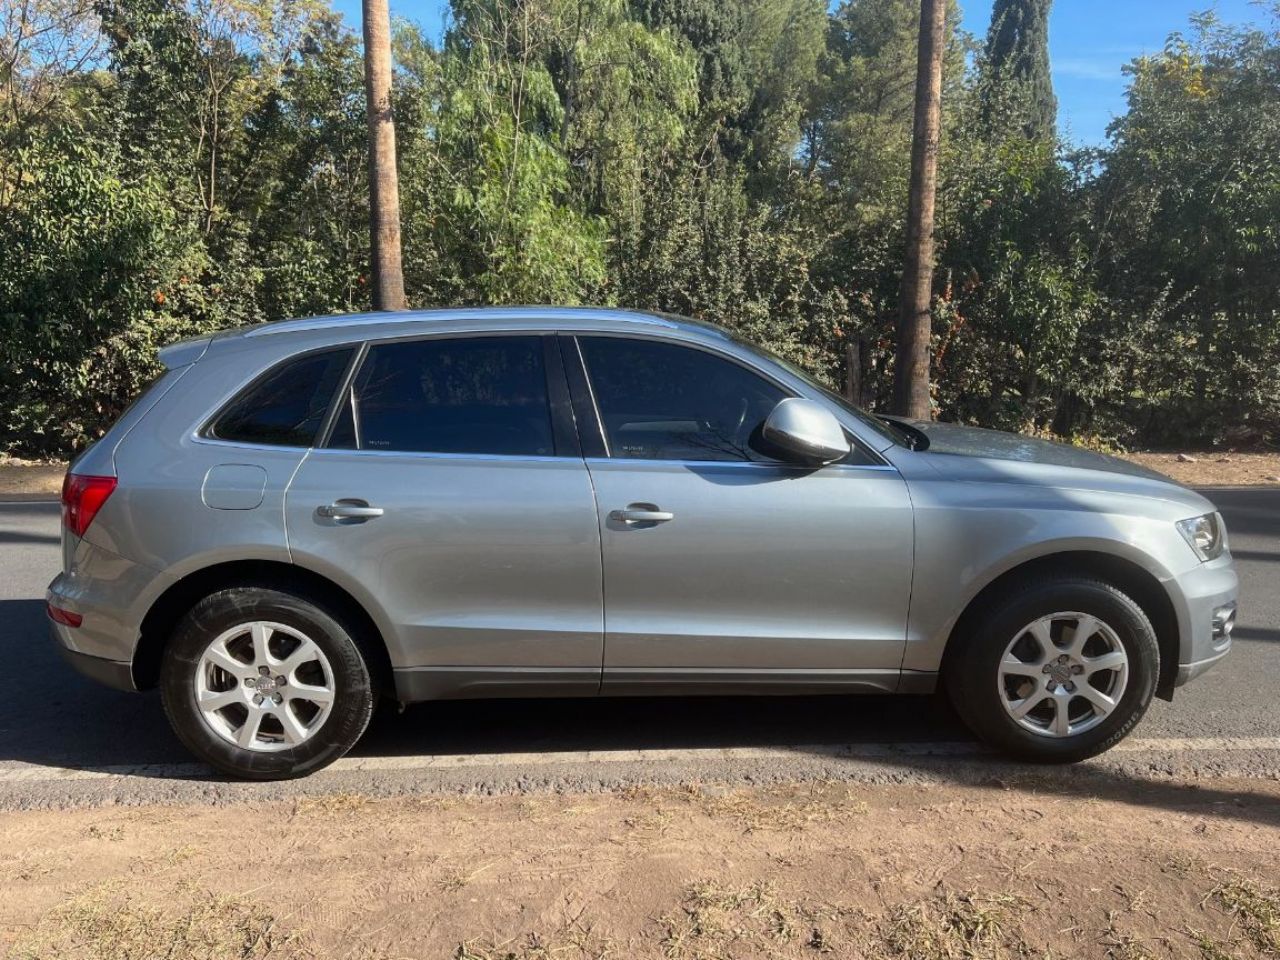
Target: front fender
[968,536]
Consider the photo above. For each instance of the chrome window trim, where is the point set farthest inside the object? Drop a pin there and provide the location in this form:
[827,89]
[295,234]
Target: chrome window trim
[429,455]
[739,464]
[197,437]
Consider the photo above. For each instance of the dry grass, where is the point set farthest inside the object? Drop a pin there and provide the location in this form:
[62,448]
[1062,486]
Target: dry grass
[754,812]
[977,925]
[108,923]
[754,920]
[712,922]
[1256,909]
[576,943]
[332,804]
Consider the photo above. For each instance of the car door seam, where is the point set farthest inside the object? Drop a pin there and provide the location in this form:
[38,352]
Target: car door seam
[284,503]
[911,583]
[604,636]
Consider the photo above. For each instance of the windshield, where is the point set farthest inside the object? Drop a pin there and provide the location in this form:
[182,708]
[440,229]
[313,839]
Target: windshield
[873,422]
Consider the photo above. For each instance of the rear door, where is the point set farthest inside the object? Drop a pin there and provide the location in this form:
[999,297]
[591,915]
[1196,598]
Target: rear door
[723,566]
[452,492]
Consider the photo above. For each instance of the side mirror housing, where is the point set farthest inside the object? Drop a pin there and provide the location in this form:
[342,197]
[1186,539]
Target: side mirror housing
[805,432]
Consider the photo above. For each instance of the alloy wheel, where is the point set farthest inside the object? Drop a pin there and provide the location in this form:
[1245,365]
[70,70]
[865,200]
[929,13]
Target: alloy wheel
[264,686]
[1063,674]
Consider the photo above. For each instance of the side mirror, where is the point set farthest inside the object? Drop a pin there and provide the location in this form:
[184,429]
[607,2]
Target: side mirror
[805,432]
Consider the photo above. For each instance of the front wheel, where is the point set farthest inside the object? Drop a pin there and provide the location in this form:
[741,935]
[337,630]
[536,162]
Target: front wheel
[265,685]
[1060,670]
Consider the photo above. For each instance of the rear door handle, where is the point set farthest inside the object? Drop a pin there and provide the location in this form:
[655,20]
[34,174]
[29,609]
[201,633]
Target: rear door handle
[641,513]
[350,511]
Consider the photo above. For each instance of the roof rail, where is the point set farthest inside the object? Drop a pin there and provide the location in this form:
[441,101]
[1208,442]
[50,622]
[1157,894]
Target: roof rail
[461,313]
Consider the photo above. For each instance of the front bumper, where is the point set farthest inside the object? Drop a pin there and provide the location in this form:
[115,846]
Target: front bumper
[1208,595]
[1189,671]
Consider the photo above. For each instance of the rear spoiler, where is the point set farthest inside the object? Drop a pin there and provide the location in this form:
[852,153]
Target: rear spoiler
[184,352]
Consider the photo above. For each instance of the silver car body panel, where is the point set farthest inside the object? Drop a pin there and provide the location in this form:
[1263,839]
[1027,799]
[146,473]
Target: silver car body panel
[478,562]
[499,575]
[759,569]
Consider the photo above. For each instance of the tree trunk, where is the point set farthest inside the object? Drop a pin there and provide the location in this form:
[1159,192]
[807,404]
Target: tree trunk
[853,371]
[384,189]
[911,374]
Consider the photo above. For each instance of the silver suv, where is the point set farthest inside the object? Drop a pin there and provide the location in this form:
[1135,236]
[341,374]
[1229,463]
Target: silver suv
[299,517]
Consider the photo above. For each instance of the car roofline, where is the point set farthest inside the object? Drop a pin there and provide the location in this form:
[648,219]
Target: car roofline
[445,315]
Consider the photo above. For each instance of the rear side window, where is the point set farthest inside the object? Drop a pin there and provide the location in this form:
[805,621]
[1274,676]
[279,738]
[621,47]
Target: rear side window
[481,395]
[286,407]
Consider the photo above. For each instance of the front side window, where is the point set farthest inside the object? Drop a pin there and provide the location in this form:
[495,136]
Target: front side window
[286,407]
[481,395]
[662,401]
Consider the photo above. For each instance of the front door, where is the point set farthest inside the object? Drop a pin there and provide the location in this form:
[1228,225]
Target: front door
[723,566]
[451,492]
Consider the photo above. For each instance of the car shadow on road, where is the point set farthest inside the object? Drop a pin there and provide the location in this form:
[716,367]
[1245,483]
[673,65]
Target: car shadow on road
[50,716]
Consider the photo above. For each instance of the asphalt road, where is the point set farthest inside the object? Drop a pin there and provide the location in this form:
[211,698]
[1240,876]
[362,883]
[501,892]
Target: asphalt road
[64,739]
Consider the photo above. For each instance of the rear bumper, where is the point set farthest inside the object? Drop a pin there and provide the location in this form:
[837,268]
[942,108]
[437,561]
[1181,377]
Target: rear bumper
[113,673]
[109,593]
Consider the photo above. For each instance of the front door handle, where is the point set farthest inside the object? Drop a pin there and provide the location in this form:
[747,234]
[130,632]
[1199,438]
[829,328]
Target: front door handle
[641,513]
[349,511]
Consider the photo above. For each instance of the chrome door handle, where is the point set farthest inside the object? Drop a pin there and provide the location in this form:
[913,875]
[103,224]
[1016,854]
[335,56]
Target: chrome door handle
[641,513]
[354,511]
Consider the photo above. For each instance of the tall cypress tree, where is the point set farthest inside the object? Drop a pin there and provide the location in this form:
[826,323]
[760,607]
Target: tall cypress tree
[1017,58]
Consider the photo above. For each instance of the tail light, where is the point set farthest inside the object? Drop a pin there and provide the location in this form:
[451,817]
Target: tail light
[82,498]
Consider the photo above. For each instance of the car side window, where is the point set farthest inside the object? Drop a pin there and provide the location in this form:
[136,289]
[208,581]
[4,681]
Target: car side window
[478,395]
[663,401]
[286,406]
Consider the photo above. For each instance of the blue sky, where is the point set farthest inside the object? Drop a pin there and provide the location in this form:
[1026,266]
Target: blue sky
[1089,40]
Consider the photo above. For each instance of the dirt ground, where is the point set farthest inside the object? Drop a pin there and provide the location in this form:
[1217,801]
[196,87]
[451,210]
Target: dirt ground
[1210,468]
[27,478]
[1168,870]
[1198,468]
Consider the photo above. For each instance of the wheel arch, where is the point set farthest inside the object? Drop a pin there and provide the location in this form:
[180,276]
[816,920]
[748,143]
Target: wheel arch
[168,608]
[1128,576]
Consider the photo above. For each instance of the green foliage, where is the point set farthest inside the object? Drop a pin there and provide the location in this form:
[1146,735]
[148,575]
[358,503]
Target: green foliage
[94,258]
[1190,201]
[176,166]
[1017,59]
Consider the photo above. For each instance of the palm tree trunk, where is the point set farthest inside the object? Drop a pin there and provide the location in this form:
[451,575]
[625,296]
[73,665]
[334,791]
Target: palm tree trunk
[911,374]
[384,189]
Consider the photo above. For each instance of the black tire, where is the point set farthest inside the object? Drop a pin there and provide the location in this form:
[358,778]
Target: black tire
[972,667]
[353,699]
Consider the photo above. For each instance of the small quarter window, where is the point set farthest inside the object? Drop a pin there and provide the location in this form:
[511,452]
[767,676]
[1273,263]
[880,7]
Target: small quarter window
[477,395]
[286,407]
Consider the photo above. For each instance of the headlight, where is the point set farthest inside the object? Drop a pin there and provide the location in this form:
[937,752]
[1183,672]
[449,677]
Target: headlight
[1206,535]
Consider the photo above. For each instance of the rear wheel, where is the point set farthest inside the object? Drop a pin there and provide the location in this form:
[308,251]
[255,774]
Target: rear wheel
[265,685]
[1059,670]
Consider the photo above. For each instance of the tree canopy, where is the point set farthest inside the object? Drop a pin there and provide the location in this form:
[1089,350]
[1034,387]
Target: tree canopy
[175,166]
[1017,61]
